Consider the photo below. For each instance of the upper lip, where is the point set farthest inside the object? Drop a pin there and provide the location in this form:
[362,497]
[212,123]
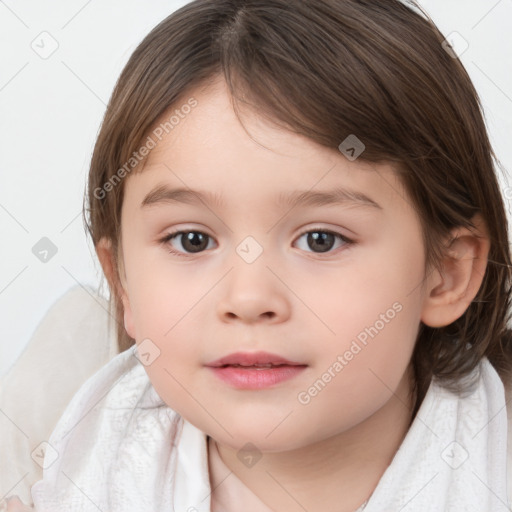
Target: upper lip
[252,358]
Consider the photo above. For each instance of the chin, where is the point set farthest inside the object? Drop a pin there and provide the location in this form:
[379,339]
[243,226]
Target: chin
[265,437]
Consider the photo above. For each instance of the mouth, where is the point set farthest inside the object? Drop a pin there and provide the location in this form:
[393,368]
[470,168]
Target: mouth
[253,359]
[252,366]
[243,370]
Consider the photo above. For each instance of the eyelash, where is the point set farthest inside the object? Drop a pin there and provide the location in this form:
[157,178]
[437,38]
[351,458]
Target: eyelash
[167,238]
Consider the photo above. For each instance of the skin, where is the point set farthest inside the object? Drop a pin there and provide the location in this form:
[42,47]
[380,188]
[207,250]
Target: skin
[294,301]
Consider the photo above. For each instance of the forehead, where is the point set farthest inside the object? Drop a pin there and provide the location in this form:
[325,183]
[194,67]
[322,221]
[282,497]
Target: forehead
[209,150]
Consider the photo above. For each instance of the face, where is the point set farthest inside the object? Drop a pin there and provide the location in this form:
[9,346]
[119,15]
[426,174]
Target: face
[332,287]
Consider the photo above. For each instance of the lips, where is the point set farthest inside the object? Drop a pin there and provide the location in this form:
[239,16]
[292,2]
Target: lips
[255,359]
[255,371]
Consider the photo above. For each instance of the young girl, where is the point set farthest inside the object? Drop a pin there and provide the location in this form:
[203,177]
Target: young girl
[296,209]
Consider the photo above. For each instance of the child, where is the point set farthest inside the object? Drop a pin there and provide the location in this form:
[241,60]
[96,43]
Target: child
[312,305]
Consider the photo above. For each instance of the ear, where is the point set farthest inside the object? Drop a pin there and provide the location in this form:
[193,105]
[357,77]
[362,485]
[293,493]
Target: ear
[115,279]
[451,290]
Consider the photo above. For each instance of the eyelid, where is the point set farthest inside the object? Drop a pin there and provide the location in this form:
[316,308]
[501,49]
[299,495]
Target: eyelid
[325,230]
[347,242]
[173,234]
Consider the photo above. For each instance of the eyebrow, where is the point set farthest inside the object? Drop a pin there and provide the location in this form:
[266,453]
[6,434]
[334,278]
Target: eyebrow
[162,194]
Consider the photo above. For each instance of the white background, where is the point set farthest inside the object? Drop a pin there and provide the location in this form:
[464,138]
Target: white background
[51,111]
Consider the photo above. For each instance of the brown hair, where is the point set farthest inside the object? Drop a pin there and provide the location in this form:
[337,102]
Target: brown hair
[327,69]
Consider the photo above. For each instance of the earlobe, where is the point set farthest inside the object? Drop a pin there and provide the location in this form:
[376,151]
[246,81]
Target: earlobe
[107,261]
[452,288]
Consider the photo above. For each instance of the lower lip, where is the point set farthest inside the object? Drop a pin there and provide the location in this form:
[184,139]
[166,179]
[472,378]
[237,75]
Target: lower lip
[250,378]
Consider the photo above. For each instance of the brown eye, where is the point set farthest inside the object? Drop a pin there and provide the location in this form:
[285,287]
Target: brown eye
[321,241]
[191,242]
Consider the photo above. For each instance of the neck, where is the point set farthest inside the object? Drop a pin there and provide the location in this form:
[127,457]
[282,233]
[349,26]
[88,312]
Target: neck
[337,474]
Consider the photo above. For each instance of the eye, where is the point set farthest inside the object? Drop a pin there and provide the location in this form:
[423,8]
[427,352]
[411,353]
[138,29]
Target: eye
[191,241]
[321,240]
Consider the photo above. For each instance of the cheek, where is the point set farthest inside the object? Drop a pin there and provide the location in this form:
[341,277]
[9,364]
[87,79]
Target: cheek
[359,373]
[168,321]
[162,294]
[373,312]
[171,334]
[365,292]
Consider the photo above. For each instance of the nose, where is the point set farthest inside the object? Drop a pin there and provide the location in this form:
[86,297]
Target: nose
[253,293]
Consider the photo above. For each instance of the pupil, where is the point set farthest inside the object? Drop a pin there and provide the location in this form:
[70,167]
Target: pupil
[197,241]
[323,240]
